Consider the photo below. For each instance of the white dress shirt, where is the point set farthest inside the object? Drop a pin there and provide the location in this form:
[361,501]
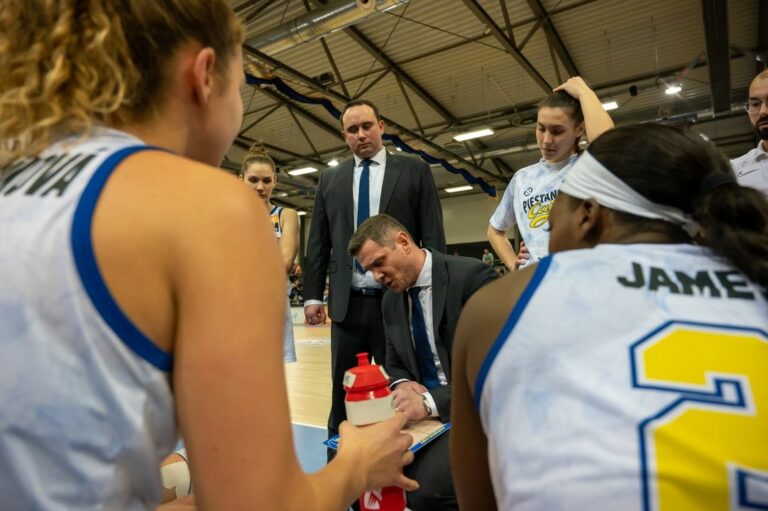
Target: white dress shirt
[424,282]
[375,182]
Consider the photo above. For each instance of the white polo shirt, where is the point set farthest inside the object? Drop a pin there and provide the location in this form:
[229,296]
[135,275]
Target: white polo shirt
[751,169]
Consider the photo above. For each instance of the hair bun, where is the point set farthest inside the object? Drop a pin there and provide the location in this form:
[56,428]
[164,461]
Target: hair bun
[258,149]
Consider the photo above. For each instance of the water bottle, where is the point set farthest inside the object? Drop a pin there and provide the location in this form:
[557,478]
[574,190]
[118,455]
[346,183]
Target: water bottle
[369,401]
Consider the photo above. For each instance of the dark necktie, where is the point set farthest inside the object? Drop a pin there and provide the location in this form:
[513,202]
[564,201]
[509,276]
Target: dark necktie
[363,199]
[424,358]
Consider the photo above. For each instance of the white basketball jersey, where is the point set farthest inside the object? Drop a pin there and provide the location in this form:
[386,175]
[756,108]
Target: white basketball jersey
[649,392]
[527,202]
[275,215]
[86,408]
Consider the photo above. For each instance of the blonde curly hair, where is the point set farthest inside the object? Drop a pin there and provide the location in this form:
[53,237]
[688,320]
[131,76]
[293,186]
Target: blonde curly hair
[68,64]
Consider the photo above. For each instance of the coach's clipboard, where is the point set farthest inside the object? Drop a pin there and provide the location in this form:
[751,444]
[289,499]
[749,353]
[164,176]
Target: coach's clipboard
[423,432]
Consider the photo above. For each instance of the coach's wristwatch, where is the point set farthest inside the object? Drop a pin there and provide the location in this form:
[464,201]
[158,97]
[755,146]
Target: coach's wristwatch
[425,403]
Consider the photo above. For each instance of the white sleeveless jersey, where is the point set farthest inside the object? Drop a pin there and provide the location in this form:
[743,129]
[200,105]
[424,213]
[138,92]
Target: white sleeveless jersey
[275,215]
[86,408]
[527,202]
[649,392]
[289,345]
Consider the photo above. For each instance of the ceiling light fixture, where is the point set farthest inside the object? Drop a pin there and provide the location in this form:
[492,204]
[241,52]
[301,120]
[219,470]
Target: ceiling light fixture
[610,105]
[457,189]
[672,89]
[333,163]
[303,170]
[301,213]
[485,132]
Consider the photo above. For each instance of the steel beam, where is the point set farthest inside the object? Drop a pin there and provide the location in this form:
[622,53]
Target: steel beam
[507,23]
[335,68]
[393,66]
[303,112]
[331,60]
[327,91]
[257,121]
[553,37]
[304,132]
[255,13]
[528,110]
[308,159]
[371,84]
[508,45]
[718,52]
[410,105]
[476,39]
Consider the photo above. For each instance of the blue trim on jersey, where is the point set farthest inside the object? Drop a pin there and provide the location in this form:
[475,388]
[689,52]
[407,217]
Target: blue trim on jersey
[88,269]
[742,478]
[716,396]
[509,325]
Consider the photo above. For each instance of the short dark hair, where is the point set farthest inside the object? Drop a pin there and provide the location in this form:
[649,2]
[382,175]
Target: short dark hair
[380,229]
[359,102]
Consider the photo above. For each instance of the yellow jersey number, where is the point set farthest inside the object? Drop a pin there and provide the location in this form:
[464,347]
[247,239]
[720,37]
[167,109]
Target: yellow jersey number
[708,448]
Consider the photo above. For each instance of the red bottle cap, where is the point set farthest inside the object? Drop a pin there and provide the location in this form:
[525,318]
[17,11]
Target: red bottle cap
[366,381]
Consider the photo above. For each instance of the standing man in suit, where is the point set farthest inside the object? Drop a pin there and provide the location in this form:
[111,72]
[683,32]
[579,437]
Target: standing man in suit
[371,182]
[426,292]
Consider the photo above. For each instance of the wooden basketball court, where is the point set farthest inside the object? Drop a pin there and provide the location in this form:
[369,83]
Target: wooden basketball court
[309,378]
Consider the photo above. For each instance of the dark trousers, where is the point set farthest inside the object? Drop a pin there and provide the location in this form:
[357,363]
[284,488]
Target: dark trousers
[431,467]
[361,331]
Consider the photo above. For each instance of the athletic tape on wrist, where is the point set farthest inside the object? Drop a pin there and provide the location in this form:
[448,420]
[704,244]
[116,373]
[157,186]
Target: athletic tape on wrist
[176,476]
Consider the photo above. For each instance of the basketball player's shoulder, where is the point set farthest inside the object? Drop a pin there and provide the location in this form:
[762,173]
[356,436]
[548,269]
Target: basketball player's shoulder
[186,182]
[183,195]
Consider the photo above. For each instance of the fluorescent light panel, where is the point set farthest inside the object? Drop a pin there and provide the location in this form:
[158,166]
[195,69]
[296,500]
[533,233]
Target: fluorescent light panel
[673,89]
[610,105]
[303,170]
[301,213]
[457,189]
[461,137]
[333,163]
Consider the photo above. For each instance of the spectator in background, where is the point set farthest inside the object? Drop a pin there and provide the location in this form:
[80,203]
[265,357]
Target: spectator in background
[487,257]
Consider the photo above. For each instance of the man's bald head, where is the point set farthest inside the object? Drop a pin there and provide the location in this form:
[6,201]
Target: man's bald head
[763,75]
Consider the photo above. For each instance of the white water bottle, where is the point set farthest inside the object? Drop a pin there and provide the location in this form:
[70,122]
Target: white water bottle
[369,401]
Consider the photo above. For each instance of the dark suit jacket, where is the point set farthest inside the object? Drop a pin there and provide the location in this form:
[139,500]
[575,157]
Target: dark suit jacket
[408,193]
[454,280]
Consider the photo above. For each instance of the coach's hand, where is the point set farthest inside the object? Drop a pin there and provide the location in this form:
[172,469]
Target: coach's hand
[314,314]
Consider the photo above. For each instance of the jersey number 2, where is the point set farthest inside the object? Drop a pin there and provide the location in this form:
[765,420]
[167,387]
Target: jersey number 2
[709,448]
